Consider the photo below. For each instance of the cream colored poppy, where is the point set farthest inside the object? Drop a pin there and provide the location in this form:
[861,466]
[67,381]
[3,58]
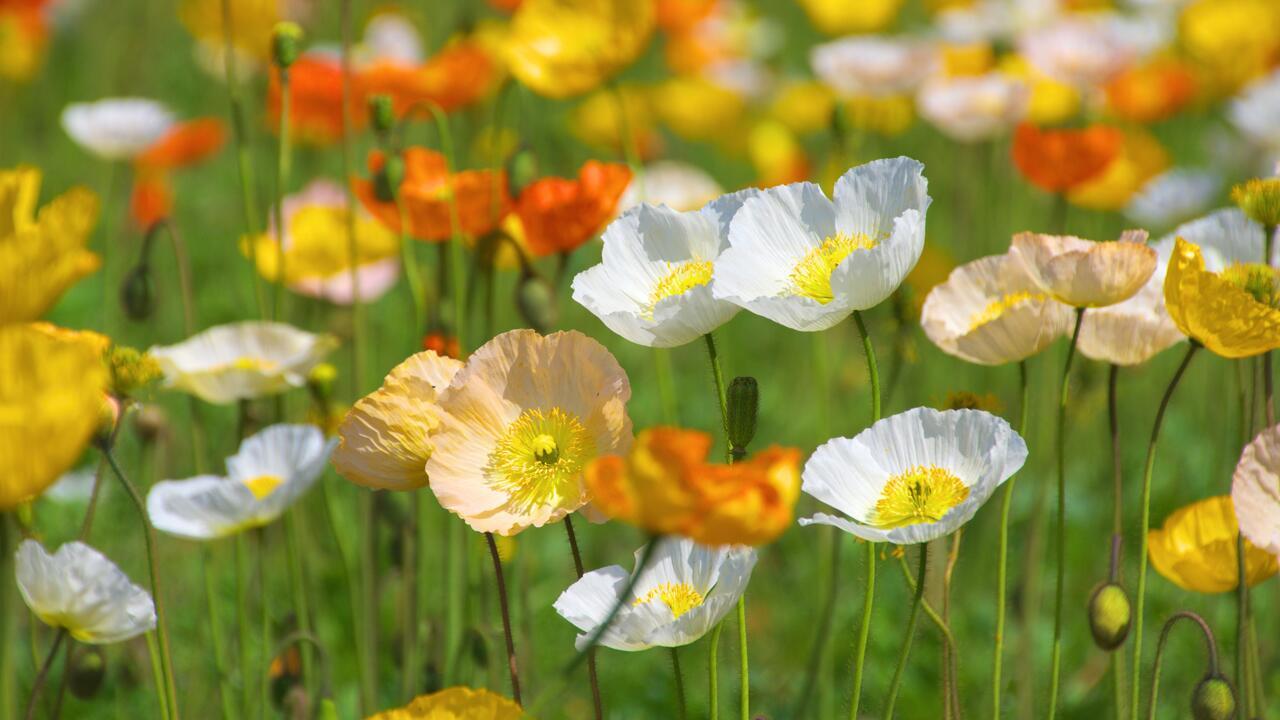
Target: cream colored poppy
[1130,332]
[385,439]
[79,590]
[1084,273]
[990,312]
[1255,491]
[521,422]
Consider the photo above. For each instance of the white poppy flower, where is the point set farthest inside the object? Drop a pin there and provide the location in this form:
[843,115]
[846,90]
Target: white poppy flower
[116,128]
[653,284]
[875,66]
[74,487]
[391,37]
[1226,237]
[1130,332]
[1083,51]
[975,108]
[806,262]
[678,185]
[1255,491]
[1256,112]
[685,590]
[242,360]
[915,476]
[270,472]
[990,312]
[1173,197]
[78,589]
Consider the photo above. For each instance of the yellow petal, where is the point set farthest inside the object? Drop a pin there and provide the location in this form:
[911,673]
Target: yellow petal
[1216,313]
[1196,549]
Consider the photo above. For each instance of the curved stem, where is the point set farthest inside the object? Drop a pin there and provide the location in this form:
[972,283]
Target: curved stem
[1055,672]
[869,589]
[1148,469]
[872,371]
[681,712]
[910,633]
[947,638]
[713,672]
[506,618]
[412,272]
[1211,648]
[1002,567]
[43,674]
[596,702]
[718,375]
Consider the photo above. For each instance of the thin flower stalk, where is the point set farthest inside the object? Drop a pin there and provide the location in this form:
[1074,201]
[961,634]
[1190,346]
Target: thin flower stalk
[244,161]
[681,710]
[596,702]
[1002,566]
[38,684]
[1211,650]
[283,156]
[506,618]
[869,589]
[215,634]
[298,586]
[910,633]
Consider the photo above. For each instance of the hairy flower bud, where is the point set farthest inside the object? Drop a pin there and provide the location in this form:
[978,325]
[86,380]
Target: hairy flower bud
[1213,699]
[87,670]
[150,422]
[1109,616]
[382,114]
[386,182]
[138,293]
[286,40]
[743,403]
[536,301]
[522,170]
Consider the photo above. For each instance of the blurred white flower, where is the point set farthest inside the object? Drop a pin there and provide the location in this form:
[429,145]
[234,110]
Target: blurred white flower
[270,472]
[1256,112]
[116,128]
[972,108]
[875,66]
[1174,196]
[73,487]
[390,36]
[1085,51]
[682,593]
[79,590]
[679,185]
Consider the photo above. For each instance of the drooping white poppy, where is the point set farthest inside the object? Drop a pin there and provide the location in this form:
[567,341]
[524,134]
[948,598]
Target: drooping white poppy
[914,476]
[270,472]
[116,128]
[683,592]
[79,590]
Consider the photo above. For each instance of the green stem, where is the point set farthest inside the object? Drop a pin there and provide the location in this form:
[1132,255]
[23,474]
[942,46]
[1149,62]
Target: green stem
[242,625]
[1148,469]
[409,598]
[949,640]
[1002,563]
[215,633]
[244,161]
[298,583]
[713,671]
[282,182]
[681,712]
[506,618]
[666,386]
[358,333]
[872,371]
[869,590]
[910,634]
[743,668]
[264,606]
[157,672]
[43,674]
[1211,649]
[369,590]
[1055,671]
[412,273]
[596,702]
[344,565]
[457,265]
[1243,672]
[8,619]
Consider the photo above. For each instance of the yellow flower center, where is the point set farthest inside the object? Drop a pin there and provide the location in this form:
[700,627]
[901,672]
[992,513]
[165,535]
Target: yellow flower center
[1260,281]
[811,277]
[252,364]
[263,485]
[680,279]
[923,494]
[1001,305]
[540,458]
[680,598]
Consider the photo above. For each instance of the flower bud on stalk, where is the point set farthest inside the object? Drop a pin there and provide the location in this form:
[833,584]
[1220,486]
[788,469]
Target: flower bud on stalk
[1110,615]
[386,182]
[1213,699]
[138,292]
[536,301]
[1260,200]
[522,170]
[87,671]
[286,39]
[382,116]
[743,403]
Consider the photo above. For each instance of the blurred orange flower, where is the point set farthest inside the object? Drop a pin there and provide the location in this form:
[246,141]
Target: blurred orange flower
[457,76]
[679,16]
[315,100]
[1059,160]
[184,145]
[1151,92]
[481,196]
[24,34]
[665,485]
[558,214]
[151,199]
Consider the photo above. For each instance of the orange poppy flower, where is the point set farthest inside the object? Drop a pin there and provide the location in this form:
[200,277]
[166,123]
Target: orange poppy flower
[315,100]
[481,196]
[1058,160]
[665,485]
[456,77]
[558,214]
[1152,92]
[151,200]
[185,144]
[677,16]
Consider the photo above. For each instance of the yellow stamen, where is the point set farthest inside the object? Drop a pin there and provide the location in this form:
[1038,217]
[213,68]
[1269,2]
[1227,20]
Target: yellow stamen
[263,485]
[1259,280]
[680,279]
[923,494]
[680,598]
[540,459]
[1000,306]
[811,277]
[253,364]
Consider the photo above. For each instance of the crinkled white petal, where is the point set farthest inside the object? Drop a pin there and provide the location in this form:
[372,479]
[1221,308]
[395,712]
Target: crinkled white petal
[79,589]
[116,128]
[1130,332]
[1255,491]
[1225,237]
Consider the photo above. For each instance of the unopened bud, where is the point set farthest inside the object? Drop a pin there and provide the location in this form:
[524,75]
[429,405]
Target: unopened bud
[1260,200]
[286,40]
[87,671]
[138,293]
[382,114]
[743,402]
[150,422]
[1213,699]
[523,170]
[1109,616]
[108,416]
[322,377]
[536,301]
[386,182]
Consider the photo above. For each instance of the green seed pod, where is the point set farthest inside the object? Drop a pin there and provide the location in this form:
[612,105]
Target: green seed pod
[386,183]
[382,114]
[286,39]
[536,301]
[87,671]
[743,400]
[1109,616]
[138,293]
[1213,699]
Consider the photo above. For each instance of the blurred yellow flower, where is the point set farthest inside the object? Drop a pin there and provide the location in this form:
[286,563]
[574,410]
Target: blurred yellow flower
[889,116]
[804,106]
[1196,549]
[252,22]
[41,255]
[1052,102]
[1234,313]
[561,48]
[50,394]
[598,120]
[1234,41]
[841,17]
[696,108]
[964,59]
[455,703]
[776,154]
[1141,158]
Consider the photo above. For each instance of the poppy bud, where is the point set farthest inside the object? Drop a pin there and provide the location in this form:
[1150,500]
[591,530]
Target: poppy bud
[386,182]
[1109,616]
[743,402]
[1213,699]
[285,40]
[87,671]
[382,114]
[536,301]
[150,422]
[1260,200]
[321,379]
[522,171]
[108,416]
[138,293]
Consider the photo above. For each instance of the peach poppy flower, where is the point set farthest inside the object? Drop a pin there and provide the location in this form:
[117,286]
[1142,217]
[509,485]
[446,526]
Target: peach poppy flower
[315,100]
[1255,491]
[1083,273]
[481,196]
[456,77]
[558,214]
[1059,160]
[666,486]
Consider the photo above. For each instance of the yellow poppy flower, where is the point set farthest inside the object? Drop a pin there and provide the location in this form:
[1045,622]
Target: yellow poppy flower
[841,17]
[51,391]
[1052,102]
[251,24]
[696,108]
[1234,313]
[1233,41]
[455,703]
[561,48]
[41,254]
[1196,549]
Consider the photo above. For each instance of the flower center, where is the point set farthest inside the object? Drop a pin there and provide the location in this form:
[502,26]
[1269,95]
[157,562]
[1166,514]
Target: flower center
[923,494]
[811,277]
[680,279]
[680,598]
[252,364]
[540,458]
[263,485]
[1000,306]
[1259,280]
